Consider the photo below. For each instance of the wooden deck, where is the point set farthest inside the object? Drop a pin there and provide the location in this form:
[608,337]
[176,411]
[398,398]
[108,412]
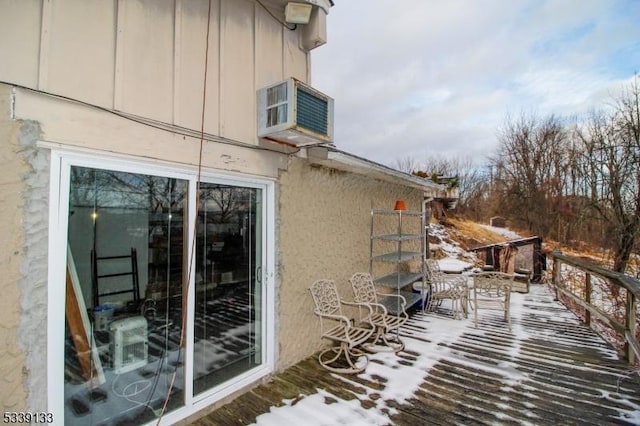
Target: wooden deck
[549,370]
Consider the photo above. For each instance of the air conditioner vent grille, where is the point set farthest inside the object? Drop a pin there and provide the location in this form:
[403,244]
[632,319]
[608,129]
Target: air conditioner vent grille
[312,112]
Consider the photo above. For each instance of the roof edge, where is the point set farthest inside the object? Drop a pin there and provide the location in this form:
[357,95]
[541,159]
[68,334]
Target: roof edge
[335,158]
[322,4]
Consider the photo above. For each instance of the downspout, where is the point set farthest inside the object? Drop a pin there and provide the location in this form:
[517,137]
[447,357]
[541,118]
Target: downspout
[425,231]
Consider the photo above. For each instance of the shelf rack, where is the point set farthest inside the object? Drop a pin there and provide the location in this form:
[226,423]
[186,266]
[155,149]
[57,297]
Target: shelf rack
[395,255]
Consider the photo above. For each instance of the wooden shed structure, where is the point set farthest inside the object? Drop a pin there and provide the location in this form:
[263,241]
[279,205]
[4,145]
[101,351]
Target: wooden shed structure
[499,255]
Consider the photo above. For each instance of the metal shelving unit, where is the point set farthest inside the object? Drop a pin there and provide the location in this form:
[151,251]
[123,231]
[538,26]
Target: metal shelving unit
[387,248]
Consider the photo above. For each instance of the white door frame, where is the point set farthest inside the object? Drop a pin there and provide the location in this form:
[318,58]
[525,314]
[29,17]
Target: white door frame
[61,163]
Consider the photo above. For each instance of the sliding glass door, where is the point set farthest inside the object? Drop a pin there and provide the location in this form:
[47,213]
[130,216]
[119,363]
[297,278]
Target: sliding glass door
[159,268]
[226,339]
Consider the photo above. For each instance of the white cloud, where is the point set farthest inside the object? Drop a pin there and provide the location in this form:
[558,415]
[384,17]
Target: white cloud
[418,78]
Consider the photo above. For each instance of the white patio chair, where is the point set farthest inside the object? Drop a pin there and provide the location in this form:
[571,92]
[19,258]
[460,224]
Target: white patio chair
[384,340]
[492,291]
[446,287]
[335,326]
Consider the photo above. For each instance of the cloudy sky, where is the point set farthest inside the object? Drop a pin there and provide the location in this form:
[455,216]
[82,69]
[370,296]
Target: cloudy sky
[418,78]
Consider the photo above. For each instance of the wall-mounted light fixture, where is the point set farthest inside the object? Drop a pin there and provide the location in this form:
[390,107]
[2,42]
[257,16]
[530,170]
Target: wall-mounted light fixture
[297,13]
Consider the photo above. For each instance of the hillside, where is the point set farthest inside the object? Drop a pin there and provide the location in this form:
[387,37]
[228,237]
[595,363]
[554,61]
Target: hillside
[465,235]
[453,238]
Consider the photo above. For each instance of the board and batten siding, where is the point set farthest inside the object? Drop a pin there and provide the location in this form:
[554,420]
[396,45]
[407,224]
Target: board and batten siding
[147,57]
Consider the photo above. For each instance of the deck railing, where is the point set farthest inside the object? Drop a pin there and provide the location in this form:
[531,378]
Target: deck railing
[609,297]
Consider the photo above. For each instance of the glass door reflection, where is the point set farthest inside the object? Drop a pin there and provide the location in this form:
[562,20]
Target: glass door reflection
[227,338]
[123,360]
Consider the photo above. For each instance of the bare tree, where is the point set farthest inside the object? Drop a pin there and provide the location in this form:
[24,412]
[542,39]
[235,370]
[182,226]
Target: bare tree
[460,172]
[407,164]
[529,167]
[470,179]
[611,158]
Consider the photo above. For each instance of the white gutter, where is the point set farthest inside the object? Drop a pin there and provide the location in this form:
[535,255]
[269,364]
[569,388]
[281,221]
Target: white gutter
[340,160]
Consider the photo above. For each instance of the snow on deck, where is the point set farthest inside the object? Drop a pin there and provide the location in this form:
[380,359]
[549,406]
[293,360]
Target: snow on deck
[549,370]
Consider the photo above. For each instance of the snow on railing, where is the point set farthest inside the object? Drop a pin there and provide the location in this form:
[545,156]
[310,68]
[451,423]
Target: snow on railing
[609,298]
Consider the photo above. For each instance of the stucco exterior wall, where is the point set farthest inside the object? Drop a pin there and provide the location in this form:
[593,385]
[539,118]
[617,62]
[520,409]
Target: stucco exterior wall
[12,391]
[34,266]
[24,209]
[324,232]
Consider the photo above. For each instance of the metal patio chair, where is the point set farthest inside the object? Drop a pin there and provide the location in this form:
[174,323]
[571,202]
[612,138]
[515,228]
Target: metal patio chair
[335,326]
[492,291]
[446,287]
[386,337]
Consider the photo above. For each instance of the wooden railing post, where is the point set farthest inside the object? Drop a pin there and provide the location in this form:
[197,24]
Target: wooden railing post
[556,276]
[538,260]
[587,298]
[630,325]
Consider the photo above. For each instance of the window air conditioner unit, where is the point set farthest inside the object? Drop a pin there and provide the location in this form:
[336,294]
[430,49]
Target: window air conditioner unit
[295,113]
[130,344]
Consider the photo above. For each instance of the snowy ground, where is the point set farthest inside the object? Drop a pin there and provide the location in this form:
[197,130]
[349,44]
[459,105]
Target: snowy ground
[505,232]
[436,342]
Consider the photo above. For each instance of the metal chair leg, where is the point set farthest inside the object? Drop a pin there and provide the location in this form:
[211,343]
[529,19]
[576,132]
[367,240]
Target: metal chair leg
[344,354]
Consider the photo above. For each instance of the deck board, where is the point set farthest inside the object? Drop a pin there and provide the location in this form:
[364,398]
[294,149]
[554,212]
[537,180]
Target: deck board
[550,370]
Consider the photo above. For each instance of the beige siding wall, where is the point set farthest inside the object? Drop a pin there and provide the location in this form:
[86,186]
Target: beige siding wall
[191,26]
[77,54]
[80,127]
[146,57]
[12,392]
[237,95]
[20,26]
[324,228]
